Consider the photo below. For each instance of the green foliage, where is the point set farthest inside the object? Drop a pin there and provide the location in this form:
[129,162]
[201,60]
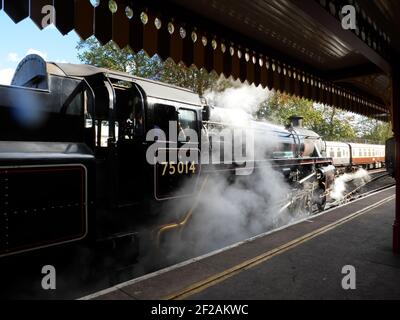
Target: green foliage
[139,64]
[379,132]
[192,78]
[111,57]
[330,123]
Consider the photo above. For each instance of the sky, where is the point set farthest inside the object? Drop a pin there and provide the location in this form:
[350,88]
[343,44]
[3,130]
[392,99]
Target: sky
[19,40]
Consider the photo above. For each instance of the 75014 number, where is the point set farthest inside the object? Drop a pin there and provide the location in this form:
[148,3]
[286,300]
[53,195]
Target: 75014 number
[171,168]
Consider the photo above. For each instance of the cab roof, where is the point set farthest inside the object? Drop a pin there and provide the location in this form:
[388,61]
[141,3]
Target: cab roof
[34,67]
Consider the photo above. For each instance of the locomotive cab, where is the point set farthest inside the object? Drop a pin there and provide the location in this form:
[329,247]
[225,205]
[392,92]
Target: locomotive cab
[73,144]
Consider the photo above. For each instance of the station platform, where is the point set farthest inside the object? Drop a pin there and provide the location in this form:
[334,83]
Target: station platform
[301,261]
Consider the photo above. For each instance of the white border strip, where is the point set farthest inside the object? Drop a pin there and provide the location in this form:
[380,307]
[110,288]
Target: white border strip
[215,252]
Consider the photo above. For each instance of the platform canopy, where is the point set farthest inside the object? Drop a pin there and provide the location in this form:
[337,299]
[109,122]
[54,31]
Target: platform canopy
[293,46]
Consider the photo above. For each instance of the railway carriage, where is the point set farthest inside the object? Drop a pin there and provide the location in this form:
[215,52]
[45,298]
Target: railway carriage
[339,152]
[367,155]
[348,156]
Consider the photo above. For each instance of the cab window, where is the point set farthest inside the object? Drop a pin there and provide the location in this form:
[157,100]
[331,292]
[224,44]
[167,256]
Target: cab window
[163,114]
[130,113]
[187,119]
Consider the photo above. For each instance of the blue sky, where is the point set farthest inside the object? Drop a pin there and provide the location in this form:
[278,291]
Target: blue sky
[23,38]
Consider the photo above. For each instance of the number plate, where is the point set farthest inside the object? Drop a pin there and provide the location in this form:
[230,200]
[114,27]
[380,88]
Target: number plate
[175,179]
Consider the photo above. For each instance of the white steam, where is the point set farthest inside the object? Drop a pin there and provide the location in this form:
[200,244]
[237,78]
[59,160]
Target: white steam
[230,211]
[357,178]
[232,208]
[242,102]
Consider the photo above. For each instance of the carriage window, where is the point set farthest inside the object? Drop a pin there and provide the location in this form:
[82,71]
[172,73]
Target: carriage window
[187,120]
[339,153]
[332,153]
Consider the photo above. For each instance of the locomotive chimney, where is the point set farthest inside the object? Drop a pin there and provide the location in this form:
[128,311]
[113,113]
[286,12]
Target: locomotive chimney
[296,121]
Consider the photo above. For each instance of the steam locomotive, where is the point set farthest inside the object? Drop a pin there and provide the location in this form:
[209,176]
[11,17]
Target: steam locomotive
[74,151]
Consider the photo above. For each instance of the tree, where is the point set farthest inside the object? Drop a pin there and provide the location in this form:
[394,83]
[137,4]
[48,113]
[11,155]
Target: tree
[330,123]
[125,60]
[188,77]
[379,133]
[139,64]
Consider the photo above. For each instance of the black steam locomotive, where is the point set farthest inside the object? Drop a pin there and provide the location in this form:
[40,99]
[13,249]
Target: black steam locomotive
[73,147]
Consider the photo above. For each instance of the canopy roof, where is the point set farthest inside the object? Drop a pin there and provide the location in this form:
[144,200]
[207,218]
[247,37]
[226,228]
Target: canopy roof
[298,47]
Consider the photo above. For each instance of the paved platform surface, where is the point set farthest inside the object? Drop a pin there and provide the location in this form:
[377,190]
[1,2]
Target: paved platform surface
[303,261]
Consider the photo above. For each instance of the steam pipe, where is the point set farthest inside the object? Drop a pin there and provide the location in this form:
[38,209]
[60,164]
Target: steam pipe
[307,178]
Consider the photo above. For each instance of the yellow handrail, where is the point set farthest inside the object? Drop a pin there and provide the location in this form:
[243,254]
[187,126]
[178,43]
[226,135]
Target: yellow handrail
[185,219]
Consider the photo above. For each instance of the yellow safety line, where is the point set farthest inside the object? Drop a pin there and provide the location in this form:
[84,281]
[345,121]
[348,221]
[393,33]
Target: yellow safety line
[215,279]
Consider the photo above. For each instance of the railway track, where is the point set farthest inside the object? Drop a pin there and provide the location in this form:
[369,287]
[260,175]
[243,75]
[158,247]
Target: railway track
[380,180]
[303,199]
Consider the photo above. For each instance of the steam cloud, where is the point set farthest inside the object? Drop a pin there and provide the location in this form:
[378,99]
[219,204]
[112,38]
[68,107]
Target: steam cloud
[242,102]
[234,208]
[357,178]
